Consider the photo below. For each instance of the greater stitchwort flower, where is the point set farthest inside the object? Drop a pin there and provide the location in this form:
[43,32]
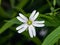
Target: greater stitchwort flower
[29,23]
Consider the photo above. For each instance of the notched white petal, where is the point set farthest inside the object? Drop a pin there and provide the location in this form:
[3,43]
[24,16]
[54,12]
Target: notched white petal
[20,19]
[22,29]
[39,22]
[39,25]
[30,32]
[32,14]
[36,15]
[21,26]
[23,17]
[33,31]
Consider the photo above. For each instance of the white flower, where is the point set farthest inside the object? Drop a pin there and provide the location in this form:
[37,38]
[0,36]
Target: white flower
[29,23]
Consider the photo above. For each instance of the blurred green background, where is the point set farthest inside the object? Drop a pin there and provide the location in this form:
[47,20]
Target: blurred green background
[49,11]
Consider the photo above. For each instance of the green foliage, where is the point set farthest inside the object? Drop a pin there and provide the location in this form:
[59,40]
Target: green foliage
[12,2]
[7,25]
[0,2]
[52,37]
[48,12]
[21,4]
[54,2]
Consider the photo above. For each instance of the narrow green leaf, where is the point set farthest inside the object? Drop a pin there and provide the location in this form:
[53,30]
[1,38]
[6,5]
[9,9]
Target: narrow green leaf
[57,9]
[12,3]
[52,9]
[54,2]
[52,37]
[7,25]
[42,9]
[3,13]
[49,21]
[49,3]
[21,4]
[36,40]
[0,2]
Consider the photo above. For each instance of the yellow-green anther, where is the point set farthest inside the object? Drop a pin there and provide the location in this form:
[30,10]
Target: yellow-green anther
[29,22]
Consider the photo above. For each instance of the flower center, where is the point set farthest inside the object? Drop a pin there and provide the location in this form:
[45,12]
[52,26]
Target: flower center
[29,22]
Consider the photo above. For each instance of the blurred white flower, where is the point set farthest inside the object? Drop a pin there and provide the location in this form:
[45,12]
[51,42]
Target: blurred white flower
[29,23]
[43,32]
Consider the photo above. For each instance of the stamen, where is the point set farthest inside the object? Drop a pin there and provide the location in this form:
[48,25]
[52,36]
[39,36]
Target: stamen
[29,22]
